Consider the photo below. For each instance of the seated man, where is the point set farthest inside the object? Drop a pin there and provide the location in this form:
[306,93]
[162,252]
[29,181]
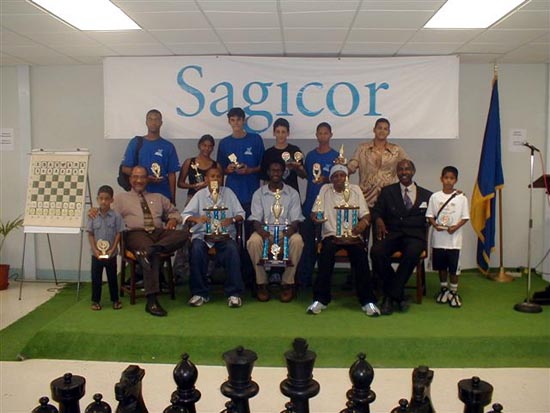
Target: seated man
[226,250]
[400,217]
[262,201]
[151,221]
[332,195]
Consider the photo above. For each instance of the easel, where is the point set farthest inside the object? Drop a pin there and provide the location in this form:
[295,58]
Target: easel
[48,229]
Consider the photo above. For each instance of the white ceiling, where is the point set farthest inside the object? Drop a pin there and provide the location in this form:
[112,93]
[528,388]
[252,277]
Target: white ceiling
[273,28]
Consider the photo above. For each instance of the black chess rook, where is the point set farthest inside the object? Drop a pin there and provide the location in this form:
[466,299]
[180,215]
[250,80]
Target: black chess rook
[239,386]
[360,396]
[186,395]
[299,384]
[128,391]
[475,394]
[67,391]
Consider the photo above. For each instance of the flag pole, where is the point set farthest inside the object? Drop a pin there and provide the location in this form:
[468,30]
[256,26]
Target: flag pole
[502,276]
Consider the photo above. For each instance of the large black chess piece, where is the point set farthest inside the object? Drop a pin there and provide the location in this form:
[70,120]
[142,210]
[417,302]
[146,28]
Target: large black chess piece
[128,391]
[98,405]
[67,391]
[421,400]
[45,407]
[186,395]
[475,394]
[402,408]
[299,384]
[239,386]
[360,396]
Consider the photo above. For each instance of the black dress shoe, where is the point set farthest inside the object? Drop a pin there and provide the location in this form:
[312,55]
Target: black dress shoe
[402,306]
[387,306]
[155,309]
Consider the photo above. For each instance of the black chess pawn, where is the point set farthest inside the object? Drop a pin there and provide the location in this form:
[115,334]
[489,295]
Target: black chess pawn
[497,408]
[475,394]
[239,386]
[289,408]
[128,391]
[67,391]
[45,407]
[98,406]
[402,408]
[186,395]
[299,384]
[360,396]
[421,400]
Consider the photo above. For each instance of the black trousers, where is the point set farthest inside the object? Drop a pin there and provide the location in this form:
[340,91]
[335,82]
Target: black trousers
[97,272]
[359,262]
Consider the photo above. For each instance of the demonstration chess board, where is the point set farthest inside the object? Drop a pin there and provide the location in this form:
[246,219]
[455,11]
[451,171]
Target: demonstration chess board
[56,189]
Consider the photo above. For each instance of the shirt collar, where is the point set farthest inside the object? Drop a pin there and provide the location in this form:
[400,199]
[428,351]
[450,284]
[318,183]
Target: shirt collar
[266,190]
[411,187]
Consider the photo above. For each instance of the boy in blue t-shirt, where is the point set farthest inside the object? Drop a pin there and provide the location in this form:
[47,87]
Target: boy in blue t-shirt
[246,149]
[323,158]
[104,231]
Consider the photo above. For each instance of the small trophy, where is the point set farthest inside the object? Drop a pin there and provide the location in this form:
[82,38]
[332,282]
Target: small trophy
[443,222]
[198,176]
[215,232]
[155,168]
[318,209]
[346,219]
[316,172]
[286,156]
[298,156]
[341,159]
[233,159]
[103,245]
[270,255]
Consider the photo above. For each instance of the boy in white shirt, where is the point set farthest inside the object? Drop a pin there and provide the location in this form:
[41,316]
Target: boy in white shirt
[447,212]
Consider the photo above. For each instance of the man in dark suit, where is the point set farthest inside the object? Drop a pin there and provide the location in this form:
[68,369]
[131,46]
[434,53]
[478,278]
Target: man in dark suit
[399,214]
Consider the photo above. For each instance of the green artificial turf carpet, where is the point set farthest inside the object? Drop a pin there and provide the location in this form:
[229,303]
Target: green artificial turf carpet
[485,332]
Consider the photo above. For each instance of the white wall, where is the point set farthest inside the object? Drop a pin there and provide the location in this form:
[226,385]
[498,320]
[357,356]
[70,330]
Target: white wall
[67,113]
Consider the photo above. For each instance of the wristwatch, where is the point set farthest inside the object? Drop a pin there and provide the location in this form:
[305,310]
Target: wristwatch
[234,220]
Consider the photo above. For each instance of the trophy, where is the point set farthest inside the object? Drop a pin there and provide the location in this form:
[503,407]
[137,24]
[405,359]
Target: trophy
[318,209]
[316,172]
[286,156]
[341,159]
[103,245]
[270,255]
[298,156]
[155,168]
[215,232]
[346,218]
[233,159]
[198,176]
[443,221]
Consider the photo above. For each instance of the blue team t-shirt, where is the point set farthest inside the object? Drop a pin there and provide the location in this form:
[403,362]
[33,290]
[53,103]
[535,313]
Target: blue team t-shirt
[249,150]
[327,161]
[160,151]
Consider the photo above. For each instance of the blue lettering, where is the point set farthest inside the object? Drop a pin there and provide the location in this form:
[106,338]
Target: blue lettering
[300,99]
[191,90]
[264,93]
[284,100]
[372,97]
[354,96]
[228,98]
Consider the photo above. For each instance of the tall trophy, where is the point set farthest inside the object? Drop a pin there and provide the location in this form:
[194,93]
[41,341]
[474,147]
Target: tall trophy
[216,213]
[198,176]
[271,254]
[318,209]
[155,168]
[347,217]
[341,159]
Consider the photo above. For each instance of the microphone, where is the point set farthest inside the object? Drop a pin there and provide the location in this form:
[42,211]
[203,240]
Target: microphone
[532,147]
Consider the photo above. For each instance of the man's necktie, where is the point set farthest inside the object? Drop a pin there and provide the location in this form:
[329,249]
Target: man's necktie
[148,223]
[407,199]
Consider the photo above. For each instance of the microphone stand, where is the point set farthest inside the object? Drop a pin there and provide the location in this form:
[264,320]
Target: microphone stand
[527,306]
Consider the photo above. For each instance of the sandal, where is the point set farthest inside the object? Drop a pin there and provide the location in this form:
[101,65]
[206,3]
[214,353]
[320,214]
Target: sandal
[454,299]
[96,306]
[117,305]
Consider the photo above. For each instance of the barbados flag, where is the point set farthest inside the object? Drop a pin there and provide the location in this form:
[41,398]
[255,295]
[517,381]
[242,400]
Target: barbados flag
[489,179]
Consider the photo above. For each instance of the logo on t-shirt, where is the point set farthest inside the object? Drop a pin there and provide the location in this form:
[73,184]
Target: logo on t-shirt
[158,153]
[248,151]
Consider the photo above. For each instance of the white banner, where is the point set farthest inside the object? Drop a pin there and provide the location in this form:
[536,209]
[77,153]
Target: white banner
[419,95]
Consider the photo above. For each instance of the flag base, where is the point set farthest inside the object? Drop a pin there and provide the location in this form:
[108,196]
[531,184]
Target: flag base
[502,276]
[528,307]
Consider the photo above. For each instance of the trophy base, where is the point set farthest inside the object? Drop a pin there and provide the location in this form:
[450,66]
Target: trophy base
[267,263]
[103,257]
[347,240]
[216,237]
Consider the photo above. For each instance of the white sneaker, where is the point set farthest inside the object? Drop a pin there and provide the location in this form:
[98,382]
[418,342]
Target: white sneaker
[197,301]
[234,302]
[371,310]
[454,299]
[316,307]
[443,296]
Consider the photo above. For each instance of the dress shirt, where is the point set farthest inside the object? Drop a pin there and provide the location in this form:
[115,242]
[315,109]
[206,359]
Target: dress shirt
[330,199]
[411,193]
[106,226]
[203,199]
[263,199]
[128,205]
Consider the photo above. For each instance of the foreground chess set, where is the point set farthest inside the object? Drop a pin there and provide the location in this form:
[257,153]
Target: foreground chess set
[299,387]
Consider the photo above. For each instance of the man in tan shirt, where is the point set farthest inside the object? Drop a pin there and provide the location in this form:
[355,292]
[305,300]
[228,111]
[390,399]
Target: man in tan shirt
[151,220]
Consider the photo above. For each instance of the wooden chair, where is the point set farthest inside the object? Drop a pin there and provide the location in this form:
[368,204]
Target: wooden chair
[129,259]
[420,273]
